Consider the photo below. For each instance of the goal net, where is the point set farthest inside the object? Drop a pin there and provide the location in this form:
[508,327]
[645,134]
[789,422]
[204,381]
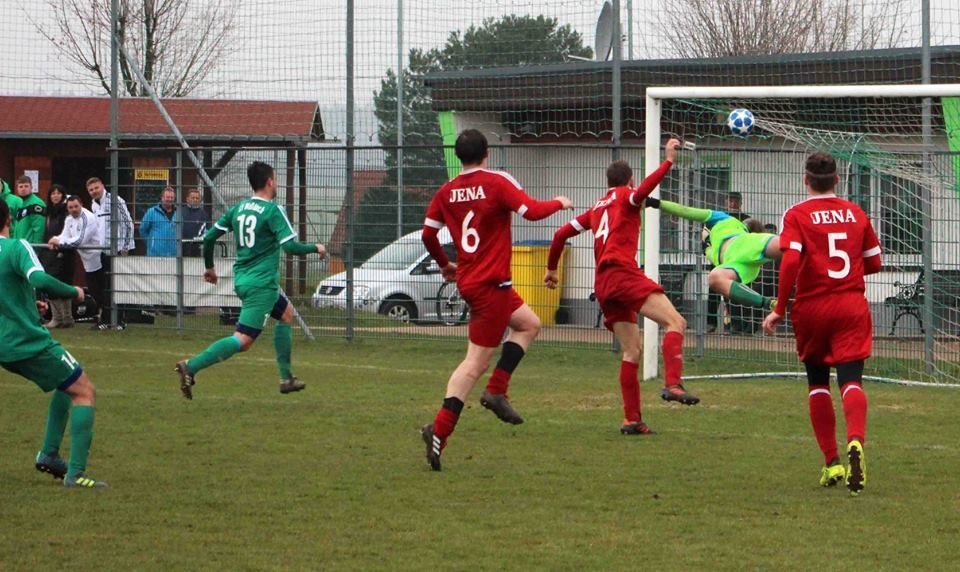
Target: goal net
[898,152]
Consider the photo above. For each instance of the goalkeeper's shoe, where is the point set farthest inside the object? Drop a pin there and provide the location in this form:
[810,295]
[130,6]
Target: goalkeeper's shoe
[187,381]
[636,428]
[434,446]
[82,481]
[500,405]
[291,384]
[833,475]
[857,469]
[51,464]
[679,394]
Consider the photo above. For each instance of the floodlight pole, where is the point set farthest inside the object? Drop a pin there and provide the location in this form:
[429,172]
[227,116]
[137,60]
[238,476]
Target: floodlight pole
[114,143]
[926,193]
[400,87]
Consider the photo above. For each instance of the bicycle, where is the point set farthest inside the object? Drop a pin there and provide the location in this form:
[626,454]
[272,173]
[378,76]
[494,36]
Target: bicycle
[452,309]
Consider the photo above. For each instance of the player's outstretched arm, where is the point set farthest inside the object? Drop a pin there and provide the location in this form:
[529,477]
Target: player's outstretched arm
[789,268]
[209,242]
[51,286]
[300,248]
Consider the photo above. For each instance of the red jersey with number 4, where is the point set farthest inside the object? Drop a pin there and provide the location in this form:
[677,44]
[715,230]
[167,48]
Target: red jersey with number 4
[833,236]
[615,222]
[477,206]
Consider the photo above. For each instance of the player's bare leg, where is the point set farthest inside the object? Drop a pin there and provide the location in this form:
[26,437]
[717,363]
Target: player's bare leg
[459,386]
[628,334]
[524,328]
[659,309]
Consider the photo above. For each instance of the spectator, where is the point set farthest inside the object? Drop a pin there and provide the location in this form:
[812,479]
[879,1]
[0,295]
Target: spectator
[101,207]
[31,218]
[195,220]
[57,263]
[734,206]
[159,225]
[13,203]
[81,231]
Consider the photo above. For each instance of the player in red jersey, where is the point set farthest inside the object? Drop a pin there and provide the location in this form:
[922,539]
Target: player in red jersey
[623,289]
[477,205]
[828,246]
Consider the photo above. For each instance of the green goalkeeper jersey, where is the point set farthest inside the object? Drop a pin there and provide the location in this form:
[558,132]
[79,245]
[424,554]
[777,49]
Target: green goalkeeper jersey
[259,228]
[21,335]
[722,227]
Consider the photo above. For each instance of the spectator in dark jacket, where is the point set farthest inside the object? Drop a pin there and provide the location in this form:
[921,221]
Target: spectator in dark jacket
[57,263]
[195,220]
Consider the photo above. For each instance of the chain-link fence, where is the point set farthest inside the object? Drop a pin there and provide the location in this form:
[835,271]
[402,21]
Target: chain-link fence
[312,88]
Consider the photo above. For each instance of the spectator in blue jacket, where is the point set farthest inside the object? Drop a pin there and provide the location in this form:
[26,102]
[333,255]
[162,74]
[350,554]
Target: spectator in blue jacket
[160,224]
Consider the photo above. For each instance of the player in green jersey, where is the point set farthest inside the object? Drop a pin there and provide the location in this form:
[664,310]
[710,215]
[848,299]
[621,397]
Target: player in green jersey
[28,350]
[14,203]
[261,230]
[736,249]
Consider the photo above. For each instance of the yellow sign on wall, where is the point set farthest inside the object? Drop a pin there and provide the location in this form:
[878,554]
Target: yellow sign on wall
[151,174]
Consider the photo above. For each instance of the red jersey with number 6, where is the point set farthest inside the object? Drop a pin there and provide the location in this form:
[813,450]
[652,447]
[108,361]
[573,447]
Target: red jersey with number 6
[833,236]
[477,206]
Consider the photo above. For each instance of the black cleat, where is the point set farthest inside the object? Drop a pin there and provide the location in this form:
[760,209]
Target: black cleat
[500,405]
[51,464]
[434,446]
[679,394]
[291,385]
[187,380]
[636,428]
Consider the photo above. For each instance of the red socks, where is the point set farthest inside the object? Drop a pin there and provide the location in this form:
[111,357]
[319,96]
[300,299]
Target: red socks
[823,420]
[498,382]
[854,410]
[630,390]
[447,417]
[672,357]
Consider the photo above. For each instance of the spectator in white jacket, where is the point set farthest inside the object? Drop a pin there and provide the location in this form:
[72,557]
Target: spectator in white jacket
[102,209]
[81,231]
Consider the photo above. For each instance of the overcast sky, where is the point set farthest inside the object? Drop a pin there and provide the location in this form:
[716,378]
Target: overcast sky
[295,49]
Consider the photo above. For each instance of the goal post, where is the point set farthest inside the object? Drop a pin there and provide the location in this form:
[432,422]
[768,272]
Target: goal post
[879,134]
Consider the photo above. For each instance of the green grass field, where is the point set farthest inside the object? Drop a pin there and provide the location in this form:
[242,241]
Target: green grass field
[334,477]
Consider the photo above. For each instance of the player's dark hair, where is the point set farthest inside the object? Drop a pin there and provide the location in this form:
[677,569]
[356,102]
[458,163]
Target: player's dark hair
[74,198]
[619,174]
[821,171]
[471,147]
[754,225]
[4,214]
[258,173]
[24,179]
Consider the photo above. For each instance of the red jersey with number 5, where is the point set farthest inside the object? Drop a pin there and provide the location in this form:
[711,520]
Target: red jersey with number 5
[833,236]
[477,206]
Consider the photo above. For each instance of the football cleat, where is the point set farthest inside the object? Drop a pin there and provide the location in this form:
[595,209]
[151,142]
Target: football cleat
[857,469]
[187,381]
[82,481]
[51,464]
[636,428]
[500,405]
[679,394]
[434,446]
[291,384]
[832,475]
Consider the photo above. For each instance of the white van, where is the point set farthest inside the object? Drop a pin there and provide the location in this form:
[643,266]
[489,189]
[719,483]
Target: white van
[401,281]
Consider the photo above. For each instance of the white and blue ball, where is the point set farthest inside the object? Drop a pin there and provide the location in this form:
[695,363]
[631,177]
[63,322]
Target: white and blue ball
[741,122]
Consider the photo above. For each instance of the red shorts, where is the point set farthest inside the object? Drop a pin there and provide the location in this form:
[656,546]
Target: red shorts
[833,330]
[490,311]
[622,292]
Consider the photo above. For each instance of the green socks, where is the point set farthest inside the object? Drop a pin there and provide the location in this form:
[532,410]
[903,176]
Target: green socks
[283,342]
[81,435]
[57,417]
[740,294]
[218,351]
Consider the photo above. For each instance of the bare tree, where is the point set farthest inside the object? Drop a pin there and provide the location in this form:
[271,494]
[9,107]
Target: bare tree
[176,43]
[717,28]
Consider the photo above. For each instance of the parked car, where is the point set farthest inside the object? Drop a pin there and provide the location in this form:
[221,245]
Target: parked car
[401,281]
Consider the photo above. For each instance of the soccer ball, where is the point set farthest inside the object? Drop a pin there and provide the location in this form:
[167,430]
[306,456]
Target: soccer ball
[740,122]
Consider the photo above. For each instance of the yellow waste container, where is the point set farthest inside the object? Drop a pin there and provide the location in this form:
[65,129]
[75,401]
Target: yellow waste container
[528,264]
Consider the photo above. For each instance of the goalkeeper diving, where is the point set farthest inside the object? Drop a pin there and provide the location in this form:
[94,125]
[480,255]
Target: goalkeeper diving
[737,249]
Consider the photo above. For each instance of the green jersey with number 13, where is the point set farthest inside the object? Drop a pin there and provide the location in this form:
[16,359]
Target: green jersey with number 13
[259,228]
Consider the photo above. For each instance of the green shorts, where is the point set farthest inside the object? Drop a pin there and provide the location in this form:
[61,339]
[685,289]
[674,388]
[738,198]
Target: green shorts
[259,304]
[52,368]
[745,255]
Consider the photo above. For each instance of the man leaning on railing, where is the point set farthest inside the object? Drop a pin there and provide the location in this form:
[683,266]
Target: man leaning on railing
[81,231]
